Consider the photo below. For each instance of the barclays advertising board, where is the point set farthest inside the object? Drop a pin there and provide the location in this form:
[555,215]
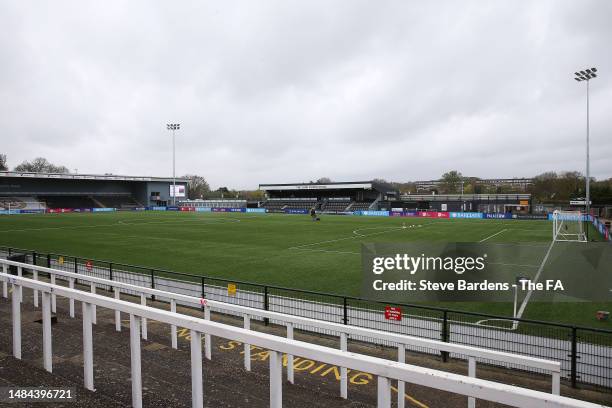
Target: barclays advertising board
[466,215]
[571,217]
[256,210]
[372,213]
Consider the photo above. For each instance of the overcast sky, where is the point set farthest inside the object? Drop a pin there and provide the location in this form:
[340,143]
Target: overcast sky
[286,91]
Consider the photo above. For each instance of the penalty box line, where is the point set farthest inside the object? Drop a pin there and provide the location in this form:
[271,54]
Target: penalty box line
[535,280]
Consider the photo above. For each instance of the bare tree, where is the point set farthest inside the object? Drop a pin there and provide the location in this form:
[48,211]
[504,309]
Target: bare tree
[41,165]
[451,181]
[197,186]
[3,166]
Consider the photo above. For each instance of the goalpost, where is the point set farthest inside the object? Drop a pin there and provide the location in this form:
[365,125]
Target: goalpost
[568,226]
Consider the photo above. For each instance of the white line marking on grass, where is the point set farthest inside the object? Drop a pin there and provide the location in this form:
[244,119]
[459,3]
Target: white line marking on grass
[512,264]
[352,237]
[121,223]
[208,221]
[356,232]
[326,250]
[491,236]
[525,301]
[534,280]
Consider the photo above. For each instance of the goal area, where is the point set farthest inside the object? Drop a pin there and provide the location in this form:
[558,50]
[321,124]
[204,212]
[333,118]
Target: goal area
[568,226]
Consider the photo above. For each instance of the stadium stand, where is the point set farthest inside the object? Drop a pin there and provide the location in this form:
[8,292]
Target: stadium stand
[334,197]
[360,206]
[336,204]
[278,204]
[68,201]
[89,190]
[116,201]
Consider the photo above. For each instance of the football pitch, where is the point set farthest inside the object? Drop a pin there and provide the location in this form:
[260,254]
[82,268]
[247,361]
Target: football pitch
[284,250]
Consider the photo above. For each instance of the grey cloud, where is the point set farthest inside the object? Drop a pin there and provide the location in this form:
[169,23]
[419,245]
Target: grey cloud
[281,91]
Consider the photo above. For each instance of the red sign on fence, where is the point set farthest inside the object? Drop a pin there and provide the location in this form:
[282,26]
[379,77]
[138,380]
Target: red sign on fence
[393,313]
[89,265]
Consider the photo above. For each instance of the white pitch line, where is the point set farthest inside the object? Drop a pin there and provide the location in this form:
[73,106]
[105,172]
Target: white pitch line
[534,280]
[120,223]
[353,237]
[491,236]
[512,264]
[326,250]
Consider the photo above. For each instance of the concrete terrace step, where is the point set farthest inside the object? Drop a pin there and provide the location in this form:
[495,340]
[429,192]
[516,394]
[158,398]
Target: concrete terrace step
[20,373]
[166,372]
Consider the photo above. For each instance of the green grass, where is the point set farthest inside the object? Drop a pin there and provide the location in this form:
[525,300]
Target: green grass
[276,249]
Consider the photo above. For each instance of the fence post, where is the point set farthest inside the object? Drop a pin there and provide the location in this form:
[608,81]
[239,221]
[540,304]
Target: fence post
[445,334]
[152,283]
[202,290]
[117,312]
[143,320]
[343,370]
[574,357]
[76,267]
[266,304]
[197,393]
[110,273]
[383,393]
[88,374]
[16,319]
[135,361]
[173,327]
[34,256]
[276,380]
[46,321]
[345,318]
[472,373]
[247,347]
[48,260]
[290,374]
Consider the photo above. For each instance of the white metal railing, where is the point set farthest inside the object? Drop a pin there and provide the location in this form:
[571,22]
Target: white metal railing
[402,341]
[385,370]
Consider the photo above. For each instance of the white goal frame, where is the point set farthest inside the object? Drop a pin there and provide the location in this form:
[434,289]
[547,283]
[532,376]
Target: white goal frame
[564,219]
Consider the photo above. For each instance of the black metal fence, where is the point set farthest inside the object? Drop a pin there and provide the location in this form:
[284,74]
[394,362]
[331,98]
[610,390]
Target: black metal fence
[585,353]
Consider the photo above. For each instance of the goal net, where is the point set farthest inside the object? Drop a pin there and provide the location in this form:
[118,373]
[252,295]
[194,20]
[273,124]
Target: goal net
[568,226]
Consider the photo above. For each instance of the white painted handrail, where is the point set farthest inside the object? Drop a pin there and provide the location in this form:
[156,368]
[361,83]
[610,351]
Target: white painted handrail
[403,341]
[385,370]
